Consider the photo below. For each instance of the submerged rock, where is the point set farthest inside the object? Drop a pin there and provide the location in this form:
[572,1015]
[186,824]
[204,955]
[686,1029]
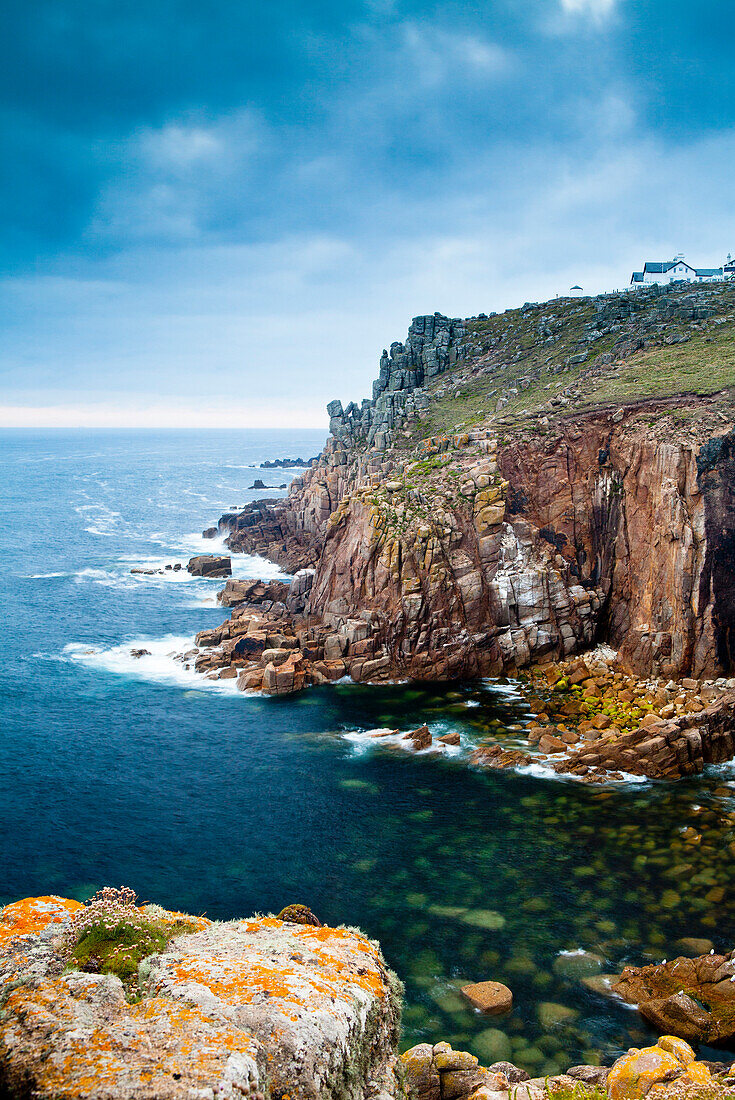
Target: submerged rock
[491,997]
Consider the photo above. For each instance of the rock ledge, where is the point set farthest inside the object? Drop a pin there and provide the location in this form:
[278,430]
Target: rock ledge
[244,1008]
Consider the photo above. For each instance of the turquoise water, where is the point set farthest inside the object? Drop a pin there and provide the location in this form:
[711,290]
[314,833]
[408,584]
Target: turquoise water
[117,771]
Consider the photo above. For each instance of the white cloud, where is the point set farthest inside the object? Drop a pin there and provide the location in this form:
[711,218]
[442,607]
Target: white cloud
[596,9]
[266,333]
[179,146]
[438,55]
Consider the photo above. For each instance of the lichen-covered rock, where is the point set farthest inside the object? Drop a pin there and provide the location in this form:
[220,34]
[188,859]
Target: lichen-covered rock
[635,1074]
[236,1009]
[299,914]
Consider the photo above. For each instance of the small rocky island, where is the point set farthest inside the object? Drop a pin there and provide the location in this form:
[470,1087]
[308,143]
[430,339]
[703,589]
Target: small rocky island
[110,1000]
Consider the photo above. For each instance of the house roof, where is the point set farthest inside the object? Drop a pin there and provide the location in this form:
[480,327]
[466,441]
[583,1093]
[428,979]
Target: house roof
[660,268]
[637,277]
[708,272]
[656,269]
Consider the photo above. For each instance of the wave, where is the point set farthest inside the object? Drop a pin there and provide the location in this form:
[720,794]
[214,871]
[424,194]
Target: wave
[158,665]
[364,740]
[106,577]
[103,521]
[543,771]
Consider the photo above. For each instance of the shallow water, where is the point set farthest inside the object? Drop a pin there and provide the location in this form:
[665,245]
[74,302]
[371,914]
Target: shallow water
[116,771]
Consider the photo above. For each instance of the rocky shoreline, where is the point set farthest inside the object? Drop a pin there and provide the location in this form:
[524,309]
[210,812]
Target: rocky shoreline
[588,719]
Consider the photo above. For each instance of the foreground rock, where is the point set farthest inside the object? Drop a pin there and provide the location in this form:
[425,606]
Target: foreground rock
[640,1071]
[691,998]
[245,1008]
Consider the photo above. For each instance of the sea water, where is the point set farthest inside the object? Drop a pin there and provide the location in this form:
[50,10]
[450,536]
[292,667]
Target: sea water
[122,770]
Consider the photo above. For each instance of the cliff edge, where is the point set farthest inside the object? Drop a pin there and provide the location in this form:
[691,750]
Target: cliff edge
[522,486]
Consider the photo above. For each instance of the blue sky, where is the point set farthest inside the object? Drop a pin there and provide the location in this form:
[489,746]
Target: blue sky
[220,213]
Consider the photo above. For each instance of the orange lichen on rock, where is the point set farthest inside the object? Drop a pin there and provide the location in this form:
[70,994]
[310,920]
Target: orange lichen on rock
[171,917]
[32,915]
[637,1072]
[227,1010]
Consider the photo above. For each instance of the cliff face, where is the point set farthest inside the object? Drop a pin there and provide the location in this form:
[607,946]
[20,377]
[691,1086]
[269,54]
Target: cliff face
[546,523]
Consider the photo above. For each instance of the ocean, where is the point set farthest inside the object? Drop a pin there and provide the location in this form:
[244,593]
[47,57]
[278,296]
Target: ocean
[122,770]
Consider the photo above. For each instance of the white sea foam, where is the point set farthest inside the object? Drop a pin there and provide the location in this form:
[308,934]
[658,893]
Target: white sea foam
[105,577]
[101,520]
[363,740]
[159,665]
[544,771]
[43,576]
[508,691]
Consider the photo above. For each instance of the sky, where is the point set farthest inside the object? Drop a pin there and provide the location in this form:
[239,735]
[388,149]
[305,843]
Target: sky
[218,214]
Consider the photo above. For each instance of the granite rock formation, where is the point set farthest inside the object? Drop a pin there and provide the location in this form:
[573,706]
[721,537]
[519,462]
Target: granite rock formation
[691,998]
[433,345]
[553,521]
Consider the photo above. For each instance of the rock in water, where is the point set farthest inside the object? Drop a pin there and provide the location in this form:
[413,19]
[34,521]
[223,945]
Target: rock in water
[236,1009]
[210,565]
[671,996]
[491,997]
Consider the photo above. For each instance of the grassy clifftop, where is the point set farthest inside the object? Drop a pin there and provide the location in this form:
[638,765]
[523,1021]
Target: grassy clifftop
[573,354]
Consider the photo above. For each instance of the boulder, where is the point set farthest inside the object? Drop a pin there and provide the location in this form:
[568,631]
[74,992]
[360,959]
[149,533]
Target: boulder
[420,737]
[638,1071]
[210,565]
[494,998]
[449,738]
[679,1015]
[243,1008]
[692,998]
[421,1075]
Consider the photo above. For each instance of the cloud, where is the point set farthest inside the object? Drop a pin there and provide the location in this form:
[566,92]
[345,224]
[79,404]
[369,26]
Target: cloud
[596,9]
[248,214]
[437,54]
[266,333]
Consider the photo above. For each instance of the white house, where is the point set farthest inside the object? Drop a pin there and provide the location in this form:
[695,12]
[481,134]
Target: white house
[677,271]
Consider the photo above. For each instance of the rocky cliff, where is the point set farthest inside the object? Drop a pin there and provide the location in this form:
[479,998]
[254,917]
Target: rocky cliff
[523,485]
